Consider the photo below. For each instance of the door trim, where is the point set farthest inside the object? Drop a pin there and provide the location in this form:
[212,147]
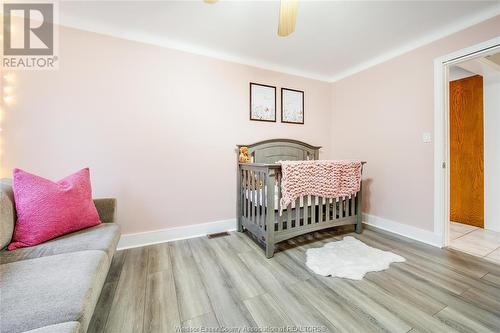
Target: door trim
[441,130]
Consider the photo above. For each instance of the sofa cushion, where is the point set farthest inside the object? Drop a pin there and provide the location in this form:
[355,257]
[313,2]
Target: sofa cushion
[7,212]
[68,327]
[51,290]
[102,237]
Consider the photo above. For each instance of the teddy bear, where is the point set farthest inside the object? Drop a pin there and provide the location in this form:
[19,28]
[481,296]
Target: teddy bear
[244,157]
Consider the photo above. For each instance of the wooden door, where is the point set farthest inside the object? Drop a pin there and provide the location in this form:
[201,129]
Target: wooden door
[467,151]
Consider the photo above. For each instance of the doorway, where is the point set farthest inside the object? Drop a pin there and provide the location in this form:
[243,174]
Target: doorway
[474,168]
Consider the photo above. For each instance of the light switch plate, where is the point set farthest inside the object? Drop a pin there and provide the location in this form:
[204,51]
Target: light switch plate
[426,137]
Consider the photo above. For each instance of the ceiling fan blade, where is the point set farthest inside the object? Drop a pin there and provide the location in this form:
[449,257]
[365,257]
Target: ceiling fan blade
[288,15]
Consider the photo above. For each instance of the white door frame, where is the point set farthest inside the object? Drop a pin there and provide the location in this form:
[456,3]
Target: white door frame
[441,130]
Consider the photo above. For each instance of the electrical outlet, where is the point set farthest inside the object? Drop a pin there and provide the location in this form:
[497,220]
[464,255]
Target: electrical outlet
[426,137]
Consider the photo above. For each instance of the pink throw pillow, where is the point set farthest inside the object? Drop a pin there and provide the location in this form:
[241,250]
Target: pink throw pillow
[47,209]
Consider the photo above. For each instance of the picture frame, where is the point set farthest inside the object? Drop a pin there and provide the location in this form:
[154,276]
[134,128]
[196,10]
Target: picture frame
[262,102]
[292,106]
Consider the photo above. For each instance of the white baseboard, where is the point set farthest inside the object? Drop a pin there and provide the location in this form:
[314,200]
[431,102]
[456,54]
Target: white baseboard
[128,241]
[405,230]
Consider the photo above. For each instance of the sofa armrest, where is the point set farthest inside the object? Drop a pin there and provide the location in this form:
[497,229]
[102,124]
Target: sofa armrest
[106,208]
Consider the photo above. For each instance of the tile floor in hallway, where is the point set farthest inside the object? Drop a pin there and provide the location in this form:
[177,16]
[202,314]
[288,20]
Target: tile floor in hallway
[475,241]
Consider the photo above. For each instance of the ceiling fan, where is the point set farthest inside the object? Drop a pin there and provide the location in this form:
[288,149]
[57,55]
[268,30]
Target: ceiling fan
[288,15]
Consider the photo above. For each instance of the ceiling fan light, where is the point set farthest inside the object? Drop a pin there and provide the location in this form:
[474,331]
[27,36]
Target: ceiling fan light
[288,16]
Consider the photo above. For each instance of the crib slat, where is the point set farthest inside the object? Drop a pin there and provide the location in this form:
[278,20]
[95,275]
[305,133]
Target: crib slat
[259,196]
[320,210]
[252,196]
[243,193]
[280,216]
[252,200]
[264,192]
[260,202]
[247,194]
[313,209]
[306,209]
[297,212]
[327,214]
[249,189]
[289,216]
[334,209]
[256,196]
[341,207]
[338,207]
[255,203]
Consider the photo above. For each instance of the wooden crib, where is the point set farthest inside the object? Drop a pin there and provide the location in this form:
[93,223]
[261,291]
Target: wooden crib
[259,194]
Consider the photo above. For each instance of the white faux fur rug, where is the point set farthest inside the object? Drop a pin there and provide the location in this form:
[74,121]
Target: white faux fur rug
[349,258]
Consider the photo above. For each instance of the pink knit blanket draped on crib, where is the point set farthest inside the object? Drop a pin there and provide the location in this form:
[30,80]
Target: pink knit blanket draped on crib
[324,178]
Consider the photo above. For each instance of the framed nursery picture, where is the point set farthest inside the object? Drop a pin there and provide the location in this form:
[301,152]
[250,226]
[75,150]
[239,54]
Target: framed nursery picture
[262,102]
[292,106]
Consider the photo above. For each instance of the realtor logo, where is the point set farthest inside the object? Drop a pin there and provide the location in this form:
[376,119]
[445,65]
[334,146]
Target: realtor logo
[36,36]
[29,36]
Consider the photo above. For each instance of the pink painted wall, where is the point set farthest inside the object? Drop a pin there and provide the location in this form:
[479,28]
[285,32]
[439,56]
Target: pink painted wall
[379,116]
[157,127]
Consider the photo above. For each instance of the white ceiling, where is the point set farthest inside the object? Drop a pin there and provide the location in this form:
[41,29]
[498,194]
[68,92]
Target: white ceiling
[481,66]
[495,58]
[458,73]
[332,39]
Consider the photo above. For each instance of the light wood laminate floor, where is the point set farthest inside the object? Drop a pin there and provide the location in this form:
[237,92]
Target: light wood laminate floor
[227,282]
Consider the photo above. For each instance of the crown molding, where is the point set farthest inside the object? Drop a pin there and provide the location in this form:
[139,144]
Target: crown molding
[77,23]
[458,26]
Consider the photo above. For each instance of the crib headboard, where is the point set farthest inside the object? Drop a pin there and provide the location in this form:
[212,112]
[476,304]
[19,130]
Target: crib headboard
[271,151]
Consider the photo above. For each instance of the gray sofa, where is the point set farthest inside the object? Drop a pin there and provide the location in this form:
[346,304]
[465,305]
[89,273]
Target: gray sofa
[54,286]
